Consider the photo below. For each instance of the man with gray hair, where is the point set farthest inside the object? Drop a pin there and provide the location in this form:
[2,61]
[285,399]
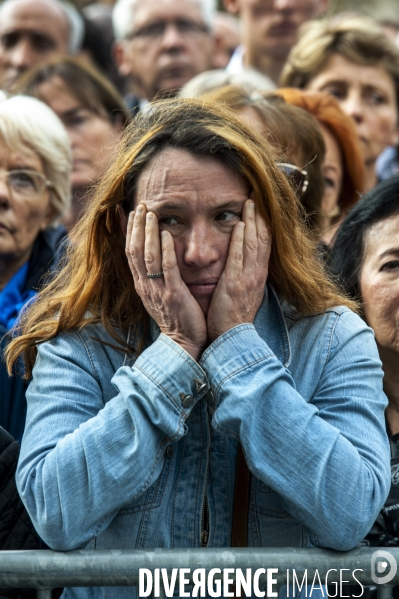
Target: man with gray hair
[33,32]
[162,44]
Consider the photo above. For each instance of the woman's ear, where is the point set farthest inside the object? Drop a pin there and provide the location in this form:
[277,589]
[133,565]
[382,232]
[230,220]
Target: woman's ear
[49,217]
[122,219]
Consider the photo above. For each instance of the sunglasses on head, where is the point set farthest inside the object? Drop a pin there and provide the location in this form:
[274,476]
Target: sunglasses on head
[297,176]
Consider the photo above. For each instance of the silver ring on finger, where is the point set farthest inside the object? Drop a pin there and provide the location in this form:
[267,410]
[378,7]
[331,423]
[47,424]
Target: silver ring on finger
[155,275]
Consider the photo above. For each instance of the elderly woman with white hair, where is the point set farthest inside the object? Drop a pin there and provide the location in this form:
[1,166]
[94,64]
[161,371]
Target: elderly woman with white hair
[35,165]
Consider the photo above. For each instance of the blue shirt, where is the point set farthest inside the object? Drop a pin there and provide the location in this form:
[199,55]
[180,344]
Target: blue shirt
[119,452]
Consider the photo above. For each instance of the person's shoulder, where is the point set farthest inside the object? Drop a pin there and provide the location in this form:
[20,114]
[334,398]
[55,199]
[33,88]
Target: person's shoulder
[328,330]
[330,313]
[90,347]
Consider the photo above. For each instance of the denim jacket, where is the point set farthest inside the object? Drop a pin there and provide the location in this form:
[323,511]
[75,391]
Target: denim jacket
[121,452]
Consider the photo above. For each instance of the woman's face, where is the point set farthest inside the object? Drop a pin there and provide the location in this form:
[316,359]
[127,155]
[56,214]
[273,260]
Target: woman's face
[199,200]
[21,217]
[367,94]
[379,282]
[92,136]
[332,173]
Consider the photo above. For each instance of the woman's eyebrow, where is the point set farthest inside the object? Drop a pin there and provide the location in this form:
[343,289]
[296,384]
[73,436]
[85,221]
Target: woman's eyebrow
[335,81]
[235,204]
[68,114]
[390,251]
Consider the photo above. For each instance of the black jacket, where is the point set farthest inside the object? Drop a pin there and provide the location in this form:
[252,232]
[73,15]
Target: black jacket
[16,528]
[46,252]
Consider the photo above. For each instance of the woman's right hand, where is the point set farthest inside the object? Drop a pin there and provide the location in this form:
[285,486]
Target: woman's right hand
[167,300]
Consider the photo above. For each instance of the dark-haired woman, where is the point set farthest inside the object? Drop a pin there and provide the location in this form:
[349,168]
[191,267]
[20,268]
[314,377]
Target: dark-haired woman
[92,112]
[366,258]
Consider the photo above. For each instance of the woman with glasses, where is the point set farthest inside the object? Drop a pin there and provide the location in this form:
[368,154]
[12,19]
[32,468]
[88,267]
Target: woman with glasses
[343,168]
[35,165]
[92,112]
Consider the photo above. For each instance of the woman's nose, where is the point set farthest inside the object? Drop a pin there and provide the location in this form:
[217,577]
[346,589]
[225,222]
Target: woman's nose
[353,106]
[201,247]
[4,192]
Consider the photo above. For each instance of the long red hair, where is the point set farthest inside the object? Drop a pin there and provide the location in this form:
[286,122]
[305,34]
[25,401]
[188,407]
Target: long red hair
[328,112]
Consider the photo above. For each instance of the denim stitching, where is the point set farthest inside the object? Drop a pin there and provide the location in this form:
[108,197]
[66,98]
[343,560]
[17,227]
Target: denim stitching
[231,374]
[184,355]
[89,356]
[228,335]
[334,324]
[158,385]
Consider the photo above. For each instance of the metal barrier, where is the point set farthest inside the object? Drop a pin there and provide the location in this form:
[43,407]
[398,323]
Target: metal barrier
[45,570]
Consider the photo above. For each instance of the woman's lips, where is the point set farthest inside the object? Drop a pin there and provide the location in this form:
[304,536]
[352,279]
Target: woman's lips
[202,287]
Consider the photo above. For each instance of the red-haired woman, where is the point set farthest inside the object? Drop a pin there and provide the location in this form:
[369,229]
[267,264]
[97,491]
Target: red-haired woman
[343,168]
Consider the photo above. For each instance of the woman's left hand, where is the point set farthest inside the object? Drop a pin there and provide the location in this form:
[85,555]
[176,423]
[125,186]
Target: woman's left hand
[240,289]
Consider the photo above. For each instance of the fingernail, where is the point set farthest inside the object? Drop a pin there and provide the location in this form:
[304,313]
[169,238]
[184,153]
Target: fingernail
[139,210]
[252,204]
[241,225]
[149,215]
[164,234]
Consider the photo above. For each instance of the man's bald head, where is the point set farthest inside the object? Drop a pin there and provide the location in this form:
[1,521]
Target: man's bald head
[33,32]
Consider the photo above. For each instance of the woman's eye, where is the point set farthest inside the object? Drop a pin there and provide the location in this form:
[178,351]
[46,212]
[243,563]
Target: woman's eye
[330,183]
[391,265]
[376,98]
[337,92]
[76,121]
[167,221]
[21,179]
[228,216]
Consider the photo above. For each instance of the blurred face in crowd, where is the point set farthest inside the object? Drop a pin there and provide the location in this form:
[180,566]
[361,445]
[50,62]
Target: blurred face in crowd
[367,94]
[332,173]
[31,32]
[25,207]
[270,26]
[228,36]
[379,284]
[92,135]
[168,45]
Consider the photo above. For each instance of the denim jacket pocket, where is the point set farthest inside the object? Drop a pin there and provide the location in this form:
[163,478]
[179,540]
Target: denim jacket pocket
[150,499]
[268,501]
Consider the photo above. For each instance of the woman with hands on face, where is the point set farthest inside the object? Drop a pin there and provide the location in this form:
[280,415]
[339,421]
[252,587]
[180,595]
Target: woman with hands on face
[192,318]
[213,253]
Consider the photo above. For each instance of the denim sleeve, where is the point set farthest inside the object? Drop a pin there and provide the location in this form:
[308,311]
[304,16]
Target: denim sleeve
[328,458]
[83,458]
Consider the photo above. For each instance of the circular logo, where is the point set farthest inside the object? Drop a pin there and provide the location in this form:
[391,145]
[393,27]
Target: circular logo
[380,572]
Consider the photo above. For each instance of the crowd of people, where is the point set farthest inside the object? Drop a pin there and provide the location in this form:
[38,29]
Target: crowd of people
[199,276]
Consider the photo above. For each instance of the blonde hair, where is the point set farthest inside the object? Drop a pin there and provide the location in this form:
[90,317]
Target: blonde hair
[96,285]
[356,37]
[26,124]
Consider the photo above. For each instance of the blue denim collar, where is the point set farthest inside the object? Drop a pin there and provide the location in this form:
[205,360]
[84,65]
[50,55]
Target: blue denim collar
[271,326]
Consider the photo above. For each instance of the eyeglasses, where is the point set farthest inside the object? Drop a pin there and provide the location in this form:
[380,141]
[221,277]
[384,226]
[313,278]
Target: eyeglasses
[156,30]
[298,177]
[25,183]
